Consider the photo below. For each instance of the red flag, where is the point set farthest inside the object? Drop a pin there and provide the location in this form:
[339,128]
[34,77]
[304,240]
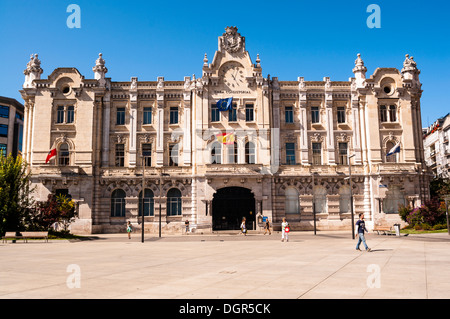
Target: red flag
[226,138]
[51,154]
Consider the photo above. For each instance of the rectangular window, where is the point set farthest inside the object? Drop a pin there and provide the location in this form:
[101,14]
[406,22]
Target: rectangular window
[3,150]
[392,113]
[290,153]
[120,120]
[215,113]
[249,116]
[3,130]
[232,115]
[341,114]
[173,155]
[343,160]
[289,114]
[60,114]
[4,111]
[70,114]
[174,115]
[147,115]
[315,114]
[120,155]
[232,152]
[383,113]
[317,153]
[147,154]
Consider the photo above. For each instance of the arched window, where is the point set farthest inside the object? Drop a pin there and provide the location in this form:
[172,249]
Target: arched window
[393,157]
[148,203]
[174,202]
[292,204]
[118,203]
[344,199]
[64,155]
[394,198]
[320,199]
[232,150]
[216,153]
[250,157]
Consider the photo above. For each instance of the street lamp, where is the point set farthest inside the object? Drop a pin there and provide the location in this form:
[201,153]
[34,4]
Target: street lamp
[351,193]
[447,199]
[314,201]
[143,196]
[161,174]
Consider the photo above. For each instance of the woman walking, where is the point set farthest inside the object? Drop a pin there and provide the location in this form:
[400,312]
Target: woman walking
[284,230]
[243,227]
[129,229]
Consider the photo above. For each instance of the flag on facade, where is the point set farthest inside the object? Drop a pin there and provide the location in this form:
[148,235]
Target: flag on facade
[224,104]
[51,153]
[225,138]
[395,149]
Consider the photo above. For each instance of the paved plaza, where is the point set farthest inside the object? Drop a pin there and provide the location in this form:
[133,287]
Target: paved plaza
[228,266]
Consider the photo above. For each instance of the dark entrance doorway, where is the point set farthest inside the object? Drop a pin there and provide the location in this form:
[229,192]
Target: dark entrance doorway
[230,205]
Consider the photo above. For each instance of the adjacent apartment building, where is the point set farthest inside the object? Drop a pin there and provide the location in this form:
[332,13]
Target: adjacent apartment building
[11,126]
[280,148]
[437,148]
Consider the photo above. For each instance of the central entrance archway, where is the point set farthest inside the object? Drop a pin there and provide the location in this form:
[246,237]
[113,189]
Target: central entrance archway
[230,205]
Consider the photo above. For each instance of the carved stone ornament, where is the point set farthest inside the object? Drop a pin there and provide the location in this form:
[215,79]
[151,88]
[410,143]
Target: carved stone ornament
[231,40]
[316,137]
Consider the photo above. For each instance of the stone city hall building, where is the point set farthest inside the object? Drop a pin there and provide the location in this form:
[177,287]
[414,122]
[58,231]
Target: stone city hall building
[283,149]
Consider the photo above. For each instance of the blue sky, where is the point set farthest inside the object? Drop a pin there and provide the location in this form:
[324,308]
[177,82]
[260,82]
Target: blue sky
[148,39]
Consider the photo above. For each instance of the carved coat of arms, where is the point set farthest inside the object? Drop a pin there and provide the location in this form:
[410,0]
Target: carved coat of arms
[231,39]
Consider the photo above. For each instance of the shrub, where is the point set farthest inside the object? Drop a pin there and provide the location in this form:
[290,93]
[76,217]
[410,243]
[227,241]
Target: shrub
[430,213]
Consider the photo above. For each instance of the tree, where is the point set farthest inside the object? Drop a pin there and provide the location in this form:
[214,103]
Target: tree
[57,209]
[16,202]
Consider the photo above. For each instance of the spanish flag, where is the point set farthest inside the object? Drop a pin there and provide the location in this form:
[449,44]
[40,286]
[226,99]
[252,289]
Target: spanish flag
[226,138]
[51,153]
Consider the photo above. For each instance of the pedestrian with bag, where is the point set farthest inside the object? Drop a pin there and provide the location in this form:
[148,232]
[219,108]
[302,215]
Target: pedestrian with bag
[243,227]
[360,232]
[129,229]
[285,230]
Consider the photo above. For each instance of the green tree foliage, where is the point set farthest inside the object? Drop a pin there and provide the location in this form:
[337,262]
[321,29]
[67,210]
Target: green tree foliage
[15,188]
[57,209]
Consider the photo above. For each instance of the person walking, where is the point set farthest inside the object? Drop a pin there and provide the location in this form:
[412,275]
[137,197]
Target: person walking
[186,224]
[243,227]
[267,227]
[284,230]
[129,229]
[360,232]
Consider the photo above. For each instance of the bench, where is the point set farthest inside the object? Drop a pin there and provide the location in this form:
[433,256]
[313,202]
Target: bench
[25,235]
[385,230]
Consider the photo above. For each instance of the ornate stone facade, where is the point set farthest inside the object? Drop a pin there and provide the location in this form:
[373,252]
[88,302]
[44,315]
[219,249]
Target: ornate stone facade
[288,152]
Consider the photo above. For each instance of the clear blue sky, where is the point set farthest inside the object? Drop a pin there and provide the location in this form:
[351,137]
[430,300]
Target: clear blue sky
[148,39]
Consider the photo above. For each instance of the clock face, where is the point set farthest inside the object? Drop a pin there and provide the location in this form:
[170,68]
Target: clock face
[233,75]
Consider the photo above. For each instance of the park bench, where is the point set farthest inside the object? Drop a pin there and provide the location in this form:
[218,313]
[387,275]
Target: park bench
[385,230]
[25,235]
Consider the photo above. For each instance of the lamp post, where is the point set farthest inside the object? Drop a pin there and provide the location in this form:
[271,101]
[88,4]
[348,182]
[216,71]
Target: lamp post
[161,174]
[314,202]
[351,193]
[143,196]
[447,199]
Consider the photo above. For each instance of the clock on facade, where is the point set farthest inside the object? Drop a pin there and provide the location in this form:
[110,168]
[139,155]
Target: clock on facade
[233,75]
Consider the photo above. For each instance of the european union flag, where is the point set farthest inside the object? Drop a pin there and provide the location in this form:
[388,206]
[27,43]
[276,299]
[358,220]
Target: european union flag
[224,104]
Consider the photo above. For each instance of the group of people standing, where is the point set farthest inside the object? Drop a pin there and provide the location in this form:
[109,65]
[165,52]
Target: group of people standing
[284,228]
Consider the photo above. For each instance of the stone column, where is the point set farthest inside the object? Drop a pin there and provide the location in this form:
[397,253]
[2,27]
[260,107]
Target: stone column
[329,122]
[303,123]
[133,123]
[187,148]
[160,123]
[106,128]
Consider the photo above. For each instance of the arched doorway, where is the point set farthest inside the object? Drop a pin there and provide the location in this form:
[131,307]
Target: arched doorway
[230,205]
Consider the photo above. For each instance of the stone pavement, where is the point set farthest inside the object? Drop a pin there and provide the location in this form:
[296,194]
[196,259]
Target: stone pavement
[228,266]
